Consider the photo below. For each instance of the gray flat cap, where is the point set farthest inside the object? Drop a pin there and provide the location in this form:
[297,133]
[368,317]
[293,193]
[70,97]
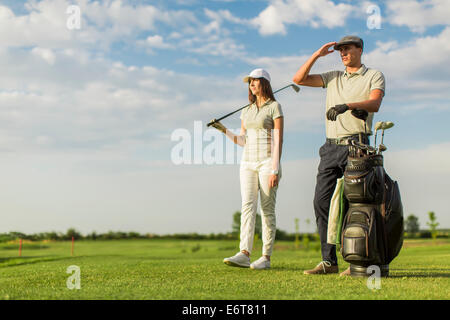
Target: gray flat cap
[357,41]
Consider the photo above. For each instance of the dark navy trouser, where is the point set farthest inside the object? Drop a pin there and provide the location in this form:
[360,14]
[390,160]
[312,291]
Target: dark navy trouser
[333,159]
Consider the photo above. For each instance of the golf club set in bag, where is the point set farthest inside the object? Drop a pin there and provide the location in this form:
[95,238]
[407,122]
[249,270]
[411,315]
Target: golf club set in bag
[371,232]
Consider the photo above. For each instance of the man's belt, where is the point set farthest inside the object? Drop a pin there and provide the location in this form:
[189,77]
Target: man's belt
[344,140]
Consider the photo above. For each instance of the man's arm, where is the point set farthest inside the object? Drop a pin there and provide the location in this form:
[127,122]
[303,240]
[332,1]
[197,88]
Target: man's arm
[371,105]
[302,76]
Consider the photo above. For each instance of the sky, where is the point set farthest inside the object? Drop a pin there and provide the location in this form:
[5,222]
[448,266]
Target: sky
[104,105]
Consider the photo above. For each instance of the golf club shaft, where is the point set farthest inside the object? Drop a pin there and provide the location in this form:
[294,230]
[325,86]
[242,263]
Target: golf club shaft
[375,144]
[231,113]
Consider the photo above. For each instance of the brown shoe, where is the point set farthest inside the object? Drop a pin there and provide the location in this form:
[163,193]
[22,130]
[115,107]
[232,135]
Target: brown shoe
[323,268]
[345,273]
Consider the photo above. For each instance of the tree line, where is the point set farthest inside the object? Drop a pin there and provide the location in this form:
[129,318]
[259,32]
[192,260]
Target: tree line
[412,230]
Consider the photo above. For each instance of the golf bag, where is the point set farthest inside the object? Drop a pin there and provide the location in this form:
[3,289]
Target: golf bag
[372,229]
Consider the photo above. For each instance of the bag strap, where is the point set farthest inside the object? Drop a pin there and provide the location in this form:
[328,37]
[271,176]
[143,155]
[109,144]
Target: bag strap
[383,213]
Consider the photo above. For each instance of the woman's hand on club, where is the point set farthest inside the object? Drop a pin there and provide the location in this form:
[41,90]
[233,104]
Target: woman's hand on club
[219,126]
[273,180]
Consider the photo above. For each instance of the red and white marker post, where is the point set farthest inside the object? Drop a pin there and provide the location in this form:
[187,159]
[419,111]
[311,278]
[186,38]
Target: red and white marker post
[73,240]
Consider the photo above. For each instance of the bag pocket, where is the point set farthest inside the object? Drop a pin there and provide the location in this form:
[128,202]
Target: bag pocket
[360,241]
[355,237]
[362,187]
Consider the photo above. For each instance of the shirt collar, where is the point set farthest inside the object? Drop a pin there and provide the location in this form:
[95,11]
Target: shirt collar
[264,104]
[360,71]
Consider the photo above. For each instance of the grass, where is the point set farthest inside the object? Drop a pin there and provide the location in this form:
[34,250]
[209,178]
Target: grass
[177,269]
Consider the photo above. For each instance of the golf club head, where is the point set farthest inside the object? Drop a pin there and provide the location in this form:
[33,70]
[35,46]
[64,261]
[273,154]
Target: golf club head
[381,148]
[378,125]
[295,87]
[387,125]
[360,114]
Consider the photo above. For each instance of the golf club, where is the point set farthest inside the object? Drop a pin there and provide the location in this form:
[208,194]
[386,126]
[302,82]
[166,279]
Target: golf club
[362,115]
[362,147]
[295,87]
[377,127]
[386,125]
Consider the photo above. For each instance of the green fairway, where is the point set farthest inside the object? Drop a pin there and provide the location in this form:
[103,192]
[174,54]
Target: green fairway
[177,269]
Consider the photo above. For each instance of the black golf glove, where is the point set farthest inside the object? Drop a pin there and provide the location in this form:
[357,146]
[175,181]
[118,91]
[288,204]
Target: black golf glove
[360,114]
[333,112]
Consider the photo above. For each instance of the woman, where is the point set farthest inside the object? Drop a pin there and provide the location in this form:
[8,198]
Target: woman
[262,138]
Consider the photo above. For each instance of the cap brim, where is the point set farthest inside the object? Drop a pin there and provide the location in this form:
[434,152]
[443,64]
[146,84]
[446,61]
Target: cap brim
[339,45]
[246,79]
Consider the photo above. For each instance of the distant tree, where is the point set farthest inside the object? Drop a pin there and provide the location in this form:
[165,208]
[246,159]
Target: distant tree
[297,229]
[236,227]
[73,233]
[258,225]
[412,224]
[283,235]
[432,224]
[17,235]
[308,221]
[133,235]
[93,235]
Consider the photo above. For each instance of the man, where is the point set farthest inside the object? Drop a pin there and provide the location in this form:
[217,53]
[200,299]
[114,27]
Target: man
[357,87]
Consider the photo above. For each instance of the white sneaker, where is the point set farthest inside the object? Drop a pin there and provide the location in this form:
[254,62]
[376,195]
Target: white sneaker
[238,260]
[261,263]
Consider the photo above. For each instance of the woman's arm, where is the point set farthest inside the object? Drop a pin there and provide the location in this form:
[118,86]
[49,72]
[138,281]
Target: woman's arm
[237,139]
[277,149]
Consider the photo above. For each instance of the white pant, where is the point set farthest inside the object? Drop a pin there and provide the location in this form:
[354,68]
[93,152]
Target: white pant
[254,176]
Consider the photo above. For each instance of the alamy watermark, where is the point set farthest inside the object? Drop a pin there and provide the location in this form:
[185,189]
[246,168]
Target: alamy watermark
[211,146]
[374,280]
[204,147]
[74,20]
[74,281]
[374,19]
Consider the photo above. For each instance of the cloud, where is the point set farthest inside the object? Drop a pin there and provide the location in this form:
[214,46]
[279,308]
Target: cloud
[212,38]
[418,15]
[46,54]
[223,15]
[154,42]
[103,23]
[313,13]
[93,103]
[416,71]
[217,46]
[44,25]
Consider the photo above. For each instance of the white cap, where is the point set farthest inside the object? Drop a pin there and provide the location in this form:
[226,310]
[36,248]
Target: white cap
[258,73]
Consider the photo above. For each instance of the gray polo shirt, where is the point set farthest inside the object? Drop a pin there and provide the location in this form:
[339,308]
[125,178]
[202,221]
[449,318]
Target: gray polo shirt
[343,87]
[259,123]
